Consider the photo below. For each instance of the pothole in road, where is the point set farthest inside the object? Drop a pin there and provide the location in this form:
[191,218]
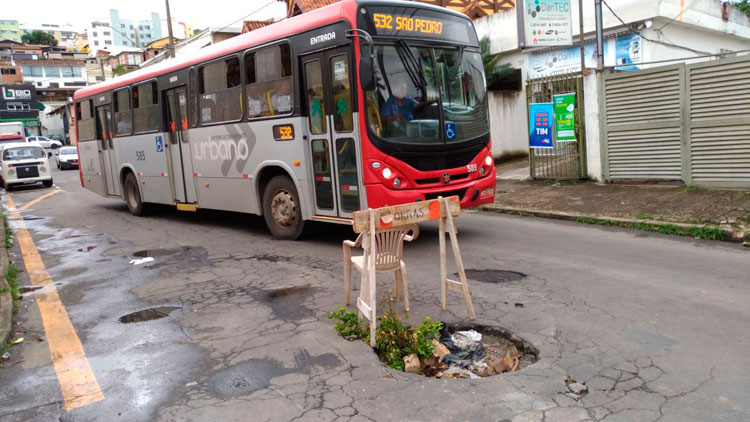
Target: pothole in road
[246,377]
[156,253]
[27,289]
[185,257]
[493,276]
[474,351]
[149,314]
[31,217]
[286,302]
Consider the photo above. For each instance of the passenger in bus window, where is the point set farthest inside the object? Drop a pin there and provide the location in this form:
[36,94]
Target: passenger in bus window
[281,101]
[254,102]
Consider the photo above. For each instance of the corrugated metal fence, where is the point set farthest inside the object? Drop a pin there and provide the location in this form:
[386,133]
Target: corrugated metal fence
[679,122]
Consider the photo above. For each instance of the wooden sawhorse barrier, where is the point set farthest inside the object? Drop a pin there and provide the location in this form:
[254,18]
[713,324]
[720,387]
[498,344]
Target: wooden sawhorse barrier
[374,220]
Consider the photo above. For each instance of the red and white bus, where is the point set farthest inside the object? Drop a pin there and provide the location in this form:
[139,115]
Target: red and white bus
[358,104]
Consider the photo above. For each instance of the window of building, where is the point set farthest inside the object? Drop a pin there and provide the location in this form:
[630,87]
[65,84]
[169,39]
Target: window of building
[131,26]
[123,118]
[94,33]
[52,71]
[146,107]
[122,25]
[148,28]
[131,59]
[77,71]
[268,74]
[96,42]
[36,71]
[140,27]
[219,87]
[67,72]
[85,119]
[107,42]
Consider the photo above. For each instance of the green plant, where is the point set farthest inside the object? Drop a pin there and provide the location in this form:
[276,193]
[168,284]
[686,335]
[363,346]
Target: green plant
[394,340]
[11,276]
[8,233]
[705,232]
[690,188]
[119,70]
[38,37]
[493,71]
[744,6]
[349,325]
[644,216]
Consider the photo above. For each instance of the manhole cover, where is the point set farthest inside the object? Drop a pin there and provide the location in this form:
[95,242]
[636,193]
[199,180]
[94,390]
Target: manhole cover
[493,276]
[148,314]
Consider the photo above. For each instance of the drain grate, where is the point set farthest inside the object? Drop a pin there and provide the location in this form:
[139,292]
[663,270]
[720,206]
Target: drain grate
[493,276]
[149,314]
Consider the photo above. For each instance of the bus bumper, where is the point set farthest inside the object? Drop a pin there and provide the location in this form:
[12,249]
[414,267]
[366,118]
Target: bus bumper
[473,193]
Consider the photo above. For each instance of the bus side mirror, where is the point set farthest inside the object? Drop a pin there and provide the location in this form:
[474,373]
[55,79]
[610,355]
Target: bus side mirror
[366,73]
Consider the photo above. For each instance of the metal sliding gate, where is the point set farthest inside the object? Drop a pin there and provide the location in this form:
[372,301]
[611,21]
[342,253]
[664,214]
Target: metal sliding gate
[566,160]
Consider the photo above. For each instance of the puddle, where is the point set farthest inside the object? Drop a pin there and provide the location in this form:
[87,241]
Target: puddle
[27,289]
[149,314]
[185,257]
[286,302]
[31,217]
[493,276]
[155,253]
[245,378]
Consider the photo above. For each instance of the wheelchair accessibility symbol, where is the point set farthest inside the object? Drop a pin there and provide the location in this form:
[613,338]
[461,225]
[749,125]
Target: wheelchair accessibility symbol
[450,131]
[159,144]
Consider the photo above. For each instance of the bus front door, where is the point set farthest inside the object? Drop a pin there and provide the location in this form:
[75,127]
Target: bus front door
[179,158]
[333,147]
[108,158]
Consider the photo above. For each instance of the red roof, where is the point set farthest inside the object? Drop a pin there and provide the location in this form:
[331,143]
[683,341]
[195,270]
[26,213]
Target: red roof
[248,26]
[305,6]
[345,9]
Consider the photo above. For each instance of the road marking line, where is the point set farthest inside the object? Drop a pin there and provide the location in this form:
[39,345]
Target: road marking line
[34,201]
[77,381]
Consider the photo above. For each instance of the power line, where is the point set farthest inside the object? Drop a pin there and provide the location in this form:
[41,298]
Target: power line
[637,32]
[251,13]
[678,15]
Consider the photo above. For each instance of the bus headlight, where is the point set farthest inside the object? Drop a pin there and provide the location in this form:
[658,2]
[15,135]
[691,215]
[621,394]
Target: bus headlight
[387,173]
[488,160]
[396,182]
[375,164]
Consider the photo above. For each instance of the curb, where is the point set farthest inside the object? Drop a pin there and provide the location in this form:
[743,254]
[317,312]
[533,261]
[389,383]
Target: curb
[6,301]
[729,235]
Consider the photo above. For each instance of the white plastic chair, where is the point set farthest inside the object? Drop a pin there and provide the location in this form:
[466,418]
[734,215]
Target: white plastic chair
[390,253]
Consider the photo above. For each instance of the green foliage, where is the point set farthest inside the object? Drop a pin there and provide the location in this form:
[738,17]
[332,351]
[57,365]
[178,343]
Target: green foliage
[705,232]
[349,325]
[38,37]
[119,70]
[644,216]
[744,6]
[394,340]
[8,233]
[493,71]
[11,276]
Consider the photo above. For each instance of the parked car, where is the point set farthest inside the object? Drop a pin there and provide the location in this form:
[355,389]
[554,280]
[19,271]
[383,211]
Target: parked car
[7,139]
[67,158]
[23,163]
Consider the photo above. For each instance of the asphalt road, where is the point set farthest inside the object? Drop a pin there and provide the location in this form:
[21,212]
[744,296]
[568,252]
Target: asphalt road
[658,327]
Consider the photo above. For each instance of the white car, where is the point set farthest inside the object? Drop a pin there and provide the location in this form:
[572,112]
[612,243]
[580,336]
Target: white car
[67,158]
[24,164]
[45,142]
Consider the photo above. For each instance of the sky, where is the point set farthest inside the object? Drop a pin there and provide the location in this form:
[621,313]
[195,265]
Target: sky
[200,14]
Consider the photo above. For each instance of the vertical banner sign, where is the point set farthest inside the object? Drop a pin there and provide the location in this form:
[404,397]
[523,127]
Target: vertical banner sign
[547,23]
[540,126]
[565,123]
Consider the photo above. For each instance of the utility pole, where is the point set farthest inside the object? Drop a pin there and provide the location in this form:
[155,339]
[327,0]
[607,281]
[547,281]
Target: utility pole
[599,36]
[137,37]
[580,40]
[169,29]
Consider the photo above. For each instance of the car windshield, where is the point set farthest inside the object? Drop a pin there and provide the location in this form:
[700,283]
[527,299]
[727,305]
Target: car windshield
[428,95]
[23,153]
[68,151]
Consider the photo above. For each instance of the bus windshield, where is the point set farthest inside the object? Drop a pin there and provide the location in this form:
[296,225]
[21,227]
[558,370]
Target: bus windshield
[428,95]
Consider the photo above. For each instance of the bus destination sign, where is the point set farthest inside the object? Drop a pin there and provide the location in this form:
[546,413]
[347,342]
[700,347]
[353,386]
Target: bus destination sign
[407,23]
[417,22]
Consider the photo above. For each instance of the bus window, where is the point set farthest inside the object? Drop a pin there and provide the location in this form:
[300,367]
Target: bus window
[123,118]
[269,81]
[220,91]
[86,122]
[146,107]
[315,102]
[342,96]
[192,99]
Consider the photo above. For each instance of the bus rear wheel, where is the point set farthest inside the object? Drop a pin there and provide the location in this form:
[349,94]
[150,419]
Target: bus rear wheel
[281,209]
[133,196]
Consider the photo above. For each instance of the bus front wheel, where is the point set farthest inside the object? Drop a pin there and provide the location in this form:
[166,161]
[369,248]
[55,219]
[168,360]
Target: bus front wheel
[133,196]
[281,209]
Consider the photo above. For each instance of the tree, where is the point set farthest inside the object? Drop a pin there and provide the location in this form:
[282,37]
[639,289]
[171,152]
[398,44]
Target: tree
[119,70]
[38,37]
[493,71]
[744,6]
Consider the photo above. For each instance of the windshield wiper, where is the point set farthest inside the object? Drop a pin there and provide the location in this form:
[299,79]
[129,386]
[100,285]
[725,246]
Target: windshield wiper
[413,67]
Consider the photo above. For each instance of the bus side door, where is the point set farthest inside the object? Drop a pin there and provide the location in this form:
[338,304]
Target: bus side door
[108,156]
[179,158]
[334,149]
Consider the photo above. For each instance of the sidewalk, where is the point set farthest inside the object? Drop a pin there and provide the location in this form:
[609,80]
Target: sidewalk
[620,204]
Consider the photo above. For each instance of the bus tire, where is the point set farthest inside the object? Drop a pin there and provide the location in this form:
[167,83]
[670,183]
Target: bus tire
[282,209]
[133,197]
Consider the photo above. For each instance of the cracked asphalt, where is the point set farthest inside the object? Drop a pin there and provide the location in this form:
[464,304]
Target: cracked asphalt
[657,327]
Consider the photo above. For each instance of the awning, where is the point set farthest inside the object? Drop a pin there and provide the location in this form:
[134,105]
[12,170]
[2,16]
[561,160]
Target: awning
[40,106]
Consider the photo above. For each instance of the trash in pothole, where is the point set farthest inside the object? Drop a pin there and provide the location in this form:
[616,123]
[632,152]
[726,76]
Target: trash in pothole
[437,350]
[142,260]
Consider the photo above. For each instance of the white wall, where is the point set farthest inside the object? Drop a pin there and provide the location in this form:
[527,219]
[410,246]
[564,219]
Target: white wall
[52,124]
[508,122]
[593,142]
[700,39]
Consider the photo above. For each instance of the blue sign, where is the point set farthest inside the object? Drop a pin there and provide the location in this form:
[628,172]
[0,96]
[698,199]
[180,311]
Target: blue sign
[159,144]
[450,131]
[628,52]
[540,125]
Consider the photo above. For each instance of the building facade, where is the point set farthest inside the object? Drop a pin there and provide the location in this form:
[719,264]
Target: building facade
[18,103]
[65,34]
[10,30]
